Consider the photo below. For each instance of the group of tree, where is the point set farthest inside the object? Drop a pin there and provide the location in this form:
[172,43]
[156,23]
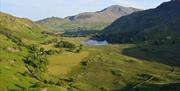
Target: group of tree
[65,44]
[51,52]
[70,46]
[50,41]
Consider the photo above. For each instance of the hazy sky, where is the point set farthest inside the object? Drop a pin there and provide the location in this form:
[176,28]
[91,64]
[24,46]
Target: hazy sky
[39,9]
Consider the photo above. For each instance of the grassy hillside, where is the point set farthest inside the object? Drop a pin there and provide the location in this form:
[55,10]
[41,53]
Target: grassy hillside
[121,71]
[68,25]
[17,35]
[21,28]
[115,68]
[11,65]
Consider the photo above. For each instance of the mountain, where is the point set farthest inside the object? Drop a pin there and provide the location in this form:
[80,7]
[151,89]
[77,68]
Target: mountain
[53,23]
[161,22]
[88,20]
[109,14]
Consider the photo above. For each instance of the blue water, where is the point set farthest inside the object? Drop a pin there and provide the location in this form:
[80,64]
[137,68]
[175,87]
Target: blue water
[94,42]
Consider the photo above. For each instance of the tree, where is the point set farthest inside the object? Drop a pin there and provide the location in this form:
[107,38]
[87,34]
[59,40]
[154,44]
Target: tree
[65,44]
[36,59]
[79,49]
[51,52]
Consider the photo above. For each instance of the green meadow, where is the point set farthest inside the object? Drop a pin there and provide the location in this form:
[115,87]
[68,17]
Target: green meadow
[110,68]
[63,63]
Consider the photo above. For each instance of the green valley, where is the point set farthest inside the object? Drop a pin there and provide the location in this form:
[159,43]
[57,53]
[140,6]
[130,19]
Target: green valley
[137,52]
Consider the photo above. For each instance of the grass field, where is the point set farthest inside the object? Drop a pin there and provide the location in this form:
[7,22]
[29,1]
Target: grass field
[110,68]
[121,71]
[62,63]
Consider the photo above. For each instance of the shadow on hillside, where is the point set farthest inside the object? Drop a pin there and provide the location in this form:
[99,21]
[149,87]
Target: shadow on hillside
[126,88]
[153,87]
[169,55]
[81,33]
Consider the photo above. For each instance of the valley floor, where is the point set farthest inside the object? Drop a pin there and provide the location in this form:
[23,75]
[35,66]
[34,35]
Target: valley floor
[102,68]
[108,67]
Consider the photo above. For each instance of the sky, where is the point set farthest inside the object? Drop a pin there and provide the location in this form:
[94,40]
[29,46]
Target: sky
[39,9]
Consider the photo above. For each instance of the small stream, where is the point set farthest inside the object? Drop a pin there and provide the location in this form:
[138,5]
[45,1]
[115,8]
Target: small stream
[94,42]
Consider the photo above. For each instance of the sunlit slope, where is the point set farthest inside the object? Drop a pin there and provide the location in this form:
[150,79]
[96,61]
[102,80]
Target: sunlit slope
[16,35]
[11,67]
[21,28]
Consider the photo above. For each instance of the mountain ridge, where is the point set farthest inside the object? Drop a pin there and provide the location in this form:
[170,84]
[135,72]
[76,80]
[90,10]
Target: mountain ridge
[88,20]
[163,18]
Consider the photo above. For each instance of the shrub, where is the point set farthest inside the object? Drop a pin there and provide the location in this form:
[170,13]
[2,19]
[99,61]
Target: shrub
[79,49]
[65,44]
[84,63]
[50,52]
[37,84]
[36,59]
[116,72]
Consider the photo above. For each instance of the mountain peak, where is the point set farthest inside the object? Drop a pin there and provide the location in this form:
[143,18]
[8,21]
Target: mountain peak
[90,20]
[176,0]
[173,4]
[113,11]
[113,8]
[53,17]
[163,18]
[118,10]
